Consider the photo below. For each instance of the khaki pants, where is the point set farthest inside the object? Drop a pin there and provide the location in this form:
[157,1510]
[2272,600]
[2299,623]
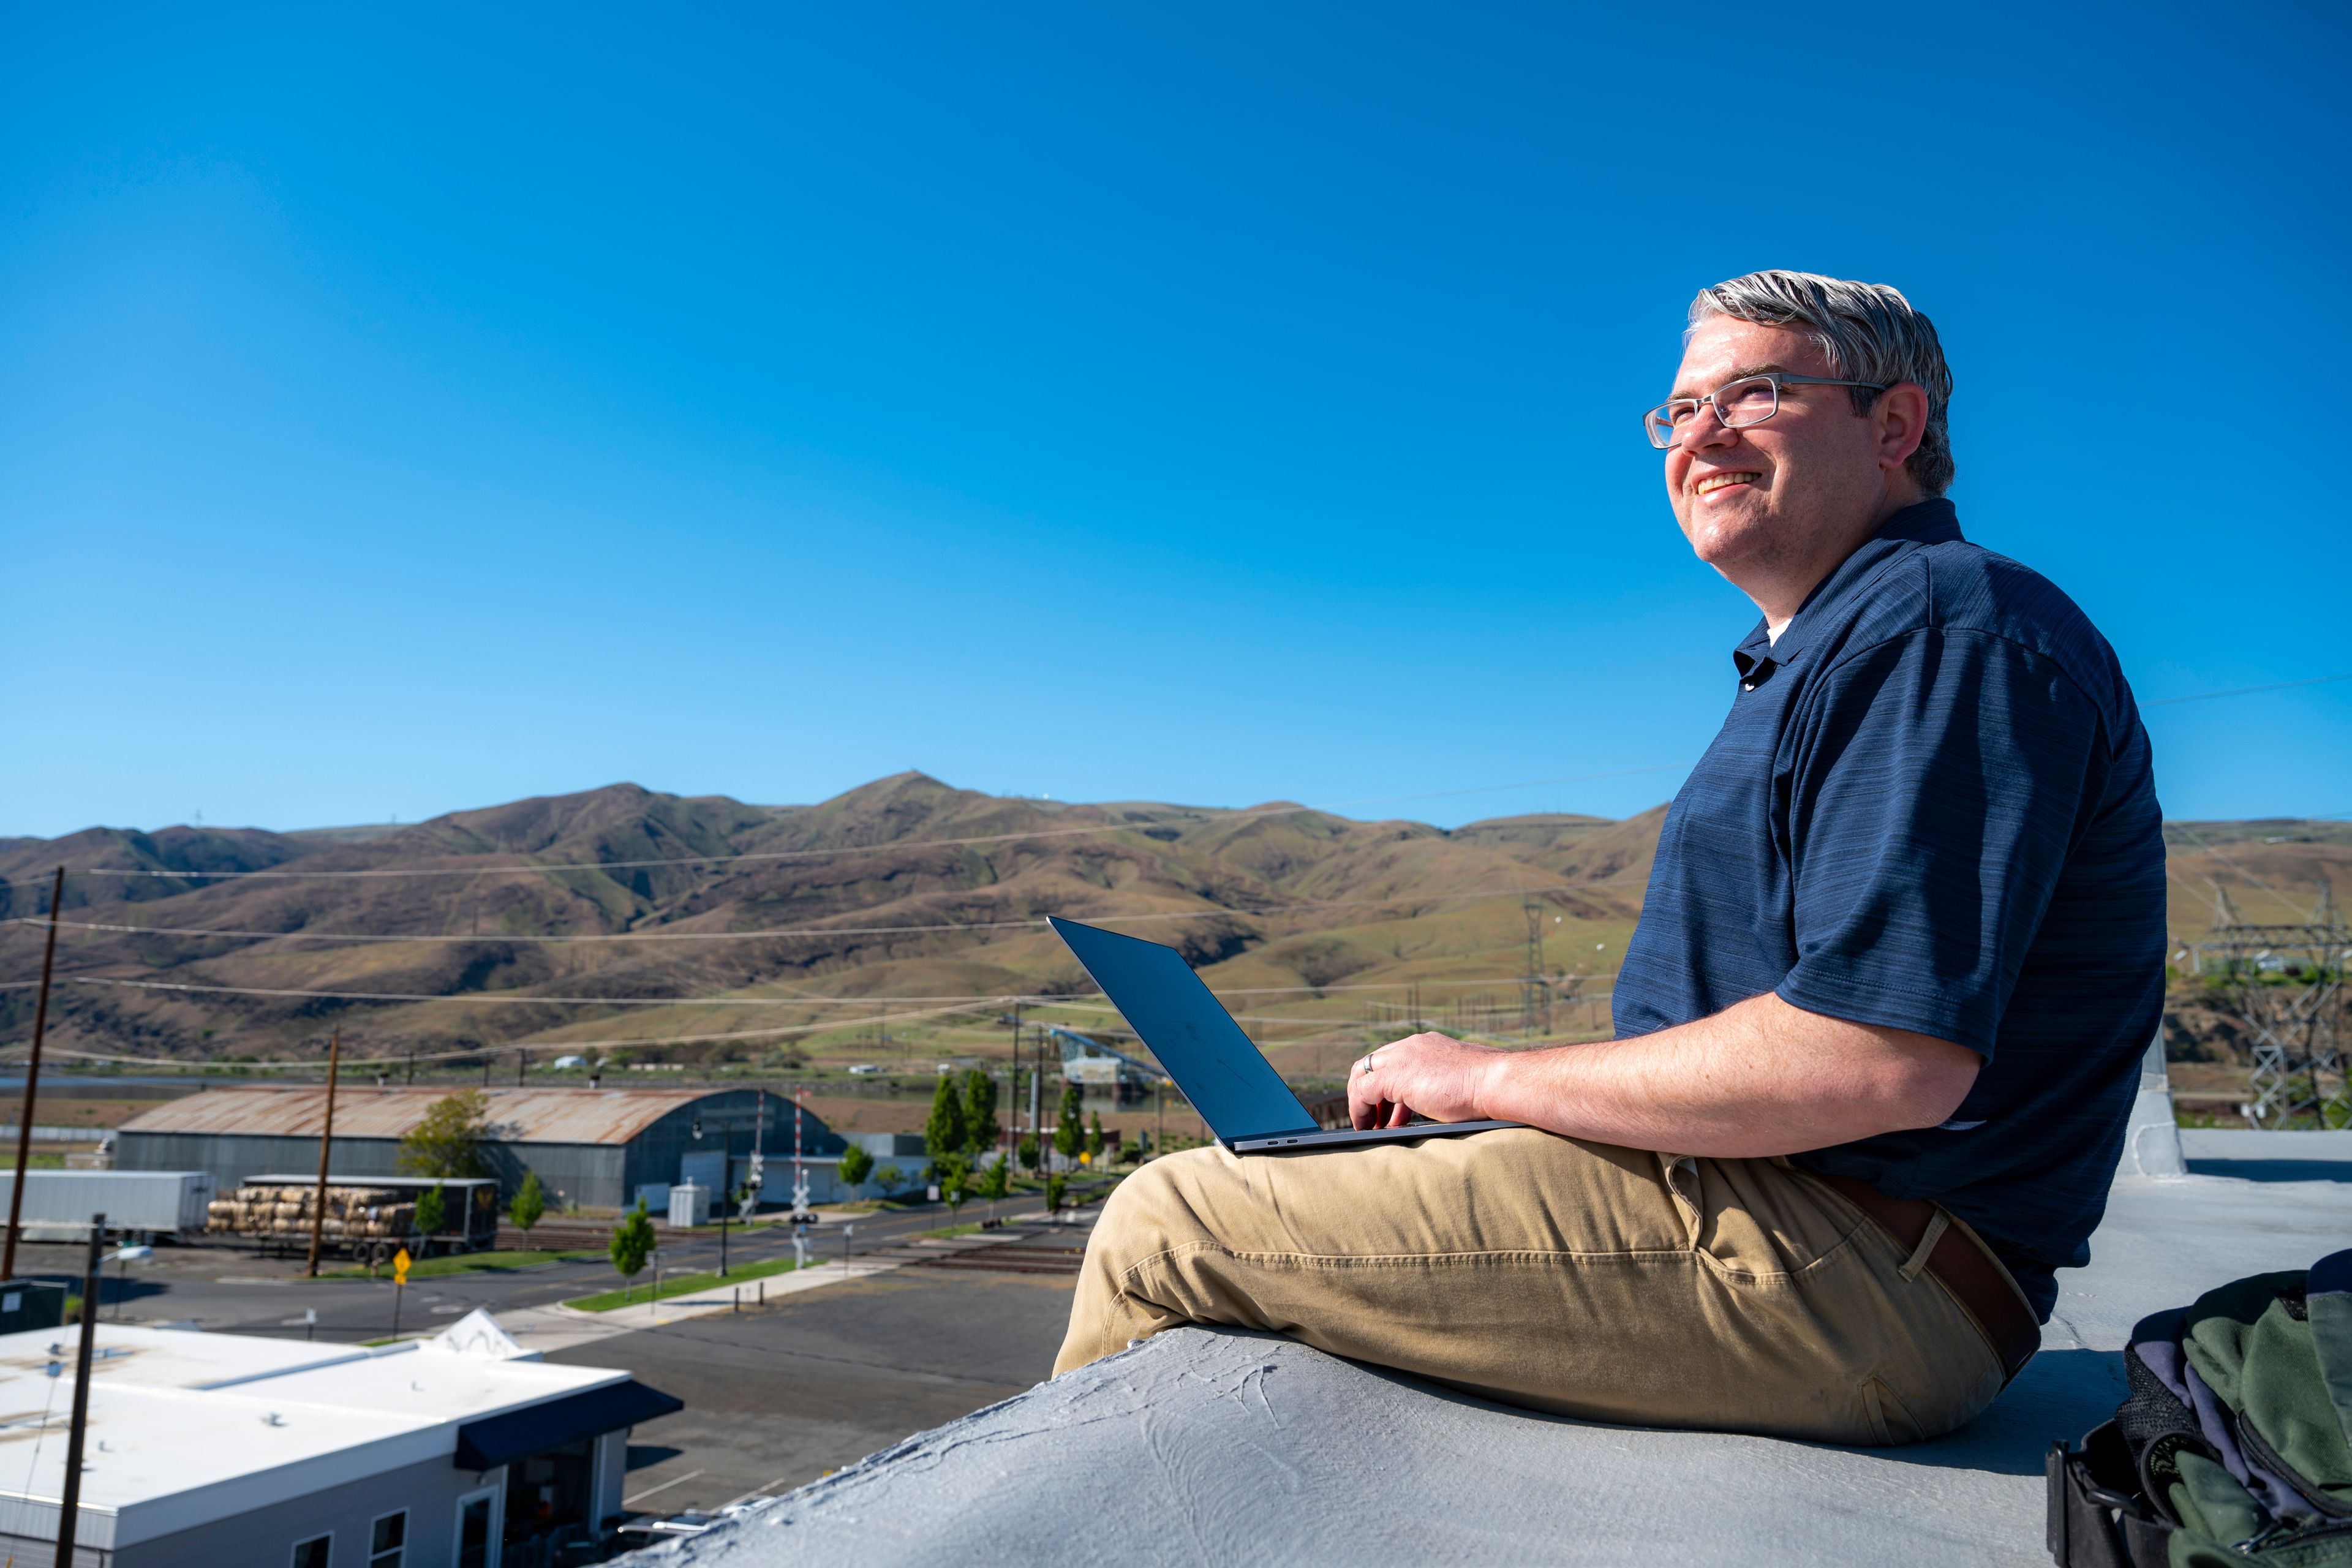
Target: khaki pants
[1577,1277]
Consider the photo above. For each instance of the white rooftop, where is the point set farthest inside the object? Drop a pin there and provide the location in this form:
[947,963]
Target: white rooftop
[1217,1446]
[187,1427]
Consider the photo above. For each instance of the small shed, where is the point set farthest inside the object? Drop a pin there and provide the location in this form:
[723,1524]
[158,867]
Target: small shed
[595,1147]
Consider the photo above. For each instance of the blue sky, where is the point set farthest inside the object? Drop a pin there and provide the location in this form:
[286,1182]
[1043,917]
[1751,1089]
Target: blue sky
[408,411]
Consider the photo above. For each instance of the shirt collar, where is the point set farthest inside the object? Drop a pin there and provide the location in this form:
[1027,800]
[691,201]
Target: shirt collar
[1757,656]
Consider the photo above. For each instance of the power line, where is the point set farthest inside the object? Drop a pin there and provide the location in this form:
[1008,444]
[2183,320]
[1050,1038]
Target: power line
[2247,690]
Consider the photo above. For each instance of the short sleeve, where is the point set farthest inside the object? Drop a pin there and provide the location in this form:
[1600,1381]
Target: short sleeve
[1934,785]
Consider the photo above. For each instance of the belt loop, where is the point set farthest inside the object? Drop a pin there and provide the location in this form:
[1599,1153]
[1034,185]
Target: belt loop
[1681,1172]
[1938,1223]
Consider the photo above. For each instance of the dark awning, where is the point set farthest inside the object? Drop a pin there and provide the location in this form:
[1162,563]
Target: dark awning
[502,1439]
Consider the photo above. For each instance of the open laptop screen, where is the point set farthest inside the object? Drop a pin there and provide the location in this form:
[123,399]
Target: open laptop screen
[1234,1089]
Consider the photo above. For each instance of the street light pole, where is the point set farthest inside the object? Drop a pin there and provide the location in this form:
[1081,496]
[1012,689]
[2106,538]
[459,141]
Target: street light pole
[727,1189]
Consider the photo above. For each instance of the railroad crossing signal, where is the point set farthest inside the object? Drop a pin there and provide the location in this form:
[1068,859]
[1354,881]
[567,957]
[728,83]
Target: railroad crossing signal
[399,1266]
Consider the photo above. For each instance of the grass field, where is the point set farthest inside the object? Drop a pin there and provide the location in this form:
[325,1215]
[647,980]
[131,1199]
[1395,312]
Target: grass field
[466,1263]
[683,1285]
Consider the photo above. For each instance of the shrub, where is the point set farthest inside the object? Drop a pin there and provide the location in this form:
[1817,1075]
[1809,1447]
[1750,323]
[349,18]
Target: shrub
[529,1205]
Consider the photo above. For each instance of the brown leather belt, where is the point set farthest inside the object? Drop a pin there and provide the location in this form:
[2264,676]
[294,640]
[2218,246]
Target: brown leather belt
[1974,1277]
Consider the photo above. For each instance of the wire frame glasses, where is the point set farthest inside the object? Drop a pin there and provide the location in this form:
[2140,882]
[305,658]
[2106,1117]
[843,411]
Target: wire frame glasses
[1750,400]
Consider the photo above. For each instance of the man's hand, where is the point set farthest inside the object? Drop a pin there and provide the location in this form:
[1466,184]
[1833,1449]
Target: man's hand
[1430,1075]
[1759,1078]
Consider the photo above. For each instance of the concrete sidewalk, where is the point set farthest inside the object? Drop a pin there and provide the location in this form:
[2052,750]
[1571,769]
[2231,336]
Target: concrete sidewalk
[560,1327]
[1208,1446]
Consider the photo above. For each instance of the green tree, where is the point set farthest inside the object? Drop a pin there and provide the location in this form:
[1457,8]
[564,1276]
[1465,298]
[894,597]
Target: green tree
[955,1184]
[890,1179]
[1069,1132]
[1057,1186]
[529,1205]
[993,1183]
[448,1141]
[633,1245]
[980,1129]
[943,1133]
[431,1210]
[1031,1156]
[1094,1136]
[856,1164]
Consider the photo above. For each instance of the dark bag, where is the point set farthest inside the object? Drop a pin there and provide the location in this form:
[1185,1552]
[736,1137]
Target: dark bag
[2235,1447]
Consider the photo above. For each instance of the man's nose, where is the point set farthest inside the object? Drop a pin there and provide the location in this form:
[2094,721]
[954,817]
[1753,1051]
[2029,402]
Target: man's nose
[1704,429]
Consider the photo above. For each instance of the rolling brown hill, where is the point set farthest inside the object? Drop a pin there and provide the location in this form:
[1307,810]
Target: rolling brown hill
[772,927]
[892,924]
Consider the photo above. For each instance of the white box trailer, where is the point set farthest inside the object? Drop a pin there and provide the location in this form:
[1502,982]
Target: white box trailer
[58,1203]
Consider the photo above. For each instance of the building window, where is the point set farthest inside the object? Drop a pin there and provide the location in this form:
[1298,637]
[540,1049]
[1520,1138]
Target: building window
[388,1541]
[476,1529]
[314,1552]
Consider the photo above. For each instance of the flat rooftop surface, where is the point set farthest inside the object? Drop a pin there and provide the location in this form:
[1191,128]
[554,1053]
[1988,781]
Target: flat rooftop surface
[1208,1446]
[186,1426]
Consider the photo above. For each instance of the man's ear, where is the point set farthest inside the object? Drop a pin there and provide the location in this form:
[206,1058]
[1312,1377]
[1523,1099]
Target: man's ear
[1900,416]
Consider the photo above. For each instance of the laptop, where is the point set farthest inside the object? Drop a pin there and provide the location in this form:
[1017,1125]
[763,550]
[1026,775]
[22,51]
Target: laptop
[1228,1079]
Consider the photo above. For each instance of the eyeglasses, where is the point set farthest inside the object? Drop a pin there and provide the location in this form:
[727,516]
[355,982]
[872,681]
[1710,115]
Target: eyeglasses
[1750,400]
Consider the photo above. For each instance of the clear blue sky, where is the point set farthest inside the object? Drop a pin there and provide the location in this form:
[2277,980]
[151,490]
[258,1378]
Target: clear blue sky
[404,410]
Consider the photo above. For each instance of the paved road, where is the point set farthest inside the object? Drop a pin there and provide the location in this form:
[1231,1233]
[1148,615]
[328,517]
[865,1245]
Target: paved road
[775,1398]
[229,1289]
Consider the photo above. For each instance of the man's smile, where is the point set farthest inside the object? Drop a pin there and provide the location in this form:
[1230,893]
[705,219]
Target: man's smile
[1715,482]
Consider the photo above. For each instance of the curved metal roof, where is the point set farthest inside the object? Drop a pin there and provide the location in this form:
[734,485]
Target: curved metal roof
[516,1115]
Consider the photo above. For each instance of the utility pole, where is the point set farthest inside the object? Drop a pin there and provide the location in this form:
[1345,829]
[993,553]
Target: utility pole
[70,1505]
[725,1188]
[1012,1115]
[800,1172]
[1535,1002]
[32,1081]
[326,1142]
[2285,984]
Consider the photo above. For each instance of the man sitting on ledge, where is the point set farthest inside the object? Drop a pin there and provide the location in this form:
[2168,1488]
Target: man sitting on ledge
[1877,1032]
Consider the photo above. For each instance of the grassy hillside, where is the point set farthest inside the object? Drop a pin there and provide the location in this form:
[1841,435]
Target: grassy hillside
[895,924]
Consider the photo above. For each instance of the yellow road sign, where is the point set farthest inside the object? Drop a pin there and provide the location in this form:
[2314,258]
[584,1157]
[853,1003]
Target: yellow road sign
[399,1266]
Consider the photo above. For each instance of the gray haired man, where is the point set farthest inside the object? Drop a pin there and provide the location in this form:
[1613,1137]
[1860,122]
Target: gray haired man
[1878,1030]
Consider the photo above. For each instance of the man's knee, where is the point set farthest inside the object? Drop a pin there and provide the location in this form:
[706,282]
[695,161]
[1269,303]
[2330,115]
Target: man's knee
[1152,1208]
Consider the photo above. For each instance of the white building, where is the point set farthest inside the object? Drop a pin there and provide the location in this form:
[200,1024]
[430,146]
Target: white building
[463,1451]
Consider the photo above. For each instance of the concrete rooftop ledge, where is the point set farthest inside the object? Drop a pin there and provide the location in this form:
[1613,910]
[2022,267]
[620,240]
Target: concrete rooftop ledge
[1207,1446]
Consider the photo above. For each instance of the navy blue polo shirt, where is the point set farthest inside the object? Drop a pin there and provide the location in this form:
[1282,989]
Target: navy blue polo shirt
[1931,808]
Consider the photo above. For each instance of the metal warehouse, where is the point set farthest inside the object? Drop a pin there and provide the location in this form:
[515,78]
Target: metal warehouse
[595,1147]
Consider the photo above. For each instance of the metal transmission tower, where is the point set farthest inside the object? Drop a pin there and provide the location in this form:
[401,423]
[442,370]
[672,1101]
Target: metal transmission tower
[1535,990]
[2285,984]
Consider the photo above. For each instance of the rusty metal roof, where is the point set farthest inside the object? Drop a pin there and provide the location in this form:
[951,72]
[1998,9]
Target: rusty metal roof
[516,1115]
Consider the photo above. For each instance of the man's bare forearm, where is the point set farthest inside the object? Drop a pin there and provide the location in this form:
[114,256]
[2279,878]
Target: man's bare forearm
[1758,1078]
